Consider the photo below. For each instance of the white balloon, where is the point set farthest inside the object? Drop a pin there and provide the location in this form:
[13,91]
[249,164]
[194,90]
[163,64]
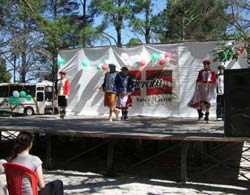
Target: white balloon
[15,93]
[127,62]
[168,60]
[137,58]
[162,56]
[124,56]
[107,62]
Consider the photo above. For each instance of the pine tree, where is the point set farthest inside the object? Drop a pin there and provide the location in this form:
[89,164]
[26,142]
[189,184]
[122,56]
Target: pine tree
[191,20]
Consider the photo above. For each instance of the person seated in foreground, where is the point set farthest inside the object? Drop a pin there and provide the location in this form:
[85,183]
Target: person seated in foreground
[20,155]
[3,187]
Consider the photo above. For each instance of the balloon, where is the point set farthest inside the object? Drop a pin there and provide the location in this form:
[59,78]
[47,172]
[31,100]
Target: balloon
[226,54]
[241,49]
[104,67]
[15,93]
[155,57]
[22,94]
[28,98]
[14,100]
[142,62]
[85,63]
[17,101]
[168,60]
[107,62]
[169,55]
[137,58]
[60,61]
[162,62]
[162,56]
[124,56]
[99,67]
[11,100]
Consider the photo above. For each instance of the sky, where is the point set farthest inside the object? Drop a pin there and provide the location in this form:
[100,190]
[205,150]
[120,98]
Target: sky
[159,5]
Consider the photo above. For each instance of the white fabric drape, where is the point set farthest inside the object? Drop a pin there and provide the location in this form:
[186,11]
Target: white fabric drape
[83,64]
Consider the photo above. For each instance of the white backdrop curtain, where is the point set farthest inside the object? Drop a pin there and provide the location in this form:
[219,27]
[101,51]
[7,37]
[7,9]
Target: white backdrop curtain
[182,61]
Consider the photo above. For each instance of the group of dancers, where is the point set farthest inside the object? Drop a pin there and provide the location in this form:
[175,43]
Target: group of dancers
[118,86]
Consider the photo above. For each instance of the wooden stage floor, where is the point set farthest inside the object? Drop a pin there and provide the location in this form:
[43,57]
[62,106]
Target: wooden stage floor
[185,130]
[153,128]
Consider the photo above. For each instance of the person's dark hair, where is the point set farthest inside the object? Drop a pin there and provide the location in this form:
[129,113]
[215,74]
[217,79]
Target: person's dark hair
[221,67]
[22,142]
[113,65]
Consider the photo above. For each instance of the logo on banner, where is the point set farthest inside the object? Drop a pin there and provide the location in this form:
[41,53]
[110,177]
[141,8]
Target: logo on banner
[155,88]
[159,82]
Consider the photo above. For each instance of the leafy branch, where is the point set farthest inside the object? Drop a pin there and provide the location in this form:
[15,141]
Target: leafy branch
[226,51]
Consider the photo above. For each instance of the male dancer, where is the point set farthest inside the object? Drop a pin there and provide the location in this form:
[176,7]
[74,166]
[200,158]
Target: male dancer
[220,93]
[110,90]
[125,86]
[205,91]
[62,91]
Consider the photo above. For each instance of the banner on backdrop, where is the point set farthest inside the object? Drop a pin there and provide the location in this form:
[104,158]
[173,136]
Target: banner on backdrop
[155,87]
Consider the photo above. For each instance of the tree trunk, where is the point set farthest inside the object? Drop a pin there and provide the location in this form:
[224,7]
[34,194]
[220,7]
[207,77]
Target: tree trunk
[147,27]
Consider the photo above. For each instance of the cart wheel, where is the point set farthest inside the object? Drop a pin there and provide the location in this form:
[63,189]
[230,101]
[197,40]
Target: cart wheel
[29,111]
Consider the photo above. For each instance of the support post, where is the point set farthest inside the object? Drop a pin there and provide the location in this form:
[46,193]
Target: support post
[110,156]
[48,152]
[184,153]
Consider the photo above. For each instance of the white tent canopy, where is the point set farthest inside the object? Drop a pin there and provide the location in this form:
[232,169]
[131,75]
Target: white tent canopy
[165,73]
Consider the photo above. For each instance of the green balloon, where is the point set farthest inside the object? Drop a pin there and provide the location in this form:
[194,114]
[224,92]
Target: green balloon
[14,100]
[22,94]
[11,100]
[17,101]
[28,98]
[60,61]
[155,57]
[85,63]
[226,54]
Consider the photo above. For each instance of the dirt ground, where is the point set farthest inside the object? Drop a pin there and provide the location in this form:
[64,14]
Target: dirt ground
[85,183]
[80,183]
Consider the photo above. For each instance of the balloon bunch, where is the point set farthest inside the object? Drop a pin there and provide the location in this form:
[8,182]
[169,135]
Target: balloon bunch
[17,97]
[104,65]
[163,59]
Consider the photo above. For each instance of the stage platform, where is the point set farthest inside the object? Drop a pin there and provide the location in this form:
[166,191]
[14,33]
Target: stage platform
[154,128]
[183,130]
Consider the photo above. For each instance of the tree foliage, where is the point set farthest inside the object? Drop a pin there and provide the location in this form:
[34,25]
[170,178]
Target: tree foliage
[5,76]
[21,38]
[115,12]
[238,30]
[142,25]
[35,29]
[32,31]
[191,20]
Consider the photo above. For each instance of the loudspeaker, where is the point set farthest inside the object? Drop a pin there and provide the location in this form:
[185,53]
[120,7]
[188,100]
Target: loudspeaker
[237,102]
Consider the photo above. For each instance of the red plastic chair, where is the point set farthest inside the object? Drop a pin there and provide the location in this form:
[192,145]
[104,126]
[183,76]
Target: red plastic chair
[14,175]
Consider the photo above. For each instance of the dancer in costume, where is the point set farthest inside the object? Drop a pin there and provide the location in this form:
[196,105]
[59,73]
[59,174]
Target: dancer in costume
[205,91]
[125,86]
[110,90]
[220,93]
[63,92]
